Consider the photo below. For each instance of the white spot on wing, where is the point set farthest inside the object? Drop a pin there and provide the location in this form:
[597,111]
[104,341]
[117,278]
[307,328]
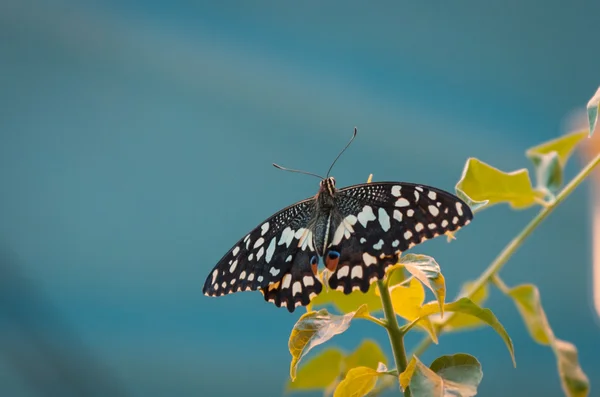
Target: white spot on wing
[289,258]
[433,210]
[366,215]
[444,223]
[416,196]
[419,226]
[363,240]
[398,215]
[459,208]
[410,213]
[432,195]
[233,265]
[342,272]
[251,277]
[379,245]
[408,234]
[432,226]
[274,272]
[264,228]
[243,275]
[259,242]
[357,272]
[287,235]
[395,243]
[296,288]
[369,259]
[260,253]
[419,188]
[235,251]
[455,220]
[271,249]
[396,191]
[287,279]
[215,273]
[384,219]
[402,202]
[259,279]
[308,281]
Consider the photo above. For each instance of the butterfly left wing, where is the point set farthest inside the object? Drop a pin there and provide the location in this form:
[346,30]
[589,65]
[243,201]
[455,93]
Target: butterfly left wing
[381,220]
[274,258]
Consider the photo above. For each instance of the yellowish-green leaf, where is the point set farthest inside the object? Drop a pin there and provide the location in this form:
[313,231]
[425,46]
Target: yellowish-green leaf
[527,299]
[348,303]
[406,376]
[549,159]
[461,321]
[528,302]
[407,302]
[593,107]
[358,382]
[563,146]
[574,381]
[368,354]
[466,306]
[319,372]
[454,380]
[427,271]
[315,328]
[481,182]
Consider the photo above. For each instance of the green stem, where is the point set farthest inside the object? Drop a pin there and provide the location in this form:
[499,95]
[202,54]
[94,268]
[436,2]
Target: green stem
[394,332]
[510,249]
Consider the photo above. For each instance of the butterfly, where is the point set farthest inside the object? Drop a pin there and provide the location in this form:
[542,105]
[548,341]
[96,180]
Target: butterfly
[358,232]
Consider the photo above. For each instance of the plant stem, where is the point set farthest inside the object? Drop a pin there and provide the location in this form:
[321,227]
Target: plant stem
[394,332]
[510,249]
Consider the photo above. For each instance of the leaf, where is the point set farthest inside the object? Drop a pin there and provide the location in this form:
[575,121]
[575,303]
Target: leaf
[351,302]
[481,182]
[407,302]
[359,381]
[368,354]
[527,299]
[466,306]
[451,376]
[528,302]
[550,158]
[428,272]
[461,321]
[593,107]
[319,372]
[574,381]
[315,328]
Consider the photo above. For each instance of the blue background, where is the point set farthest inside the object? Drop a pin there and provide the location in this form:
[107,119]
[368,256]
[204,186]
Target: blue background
[136,148]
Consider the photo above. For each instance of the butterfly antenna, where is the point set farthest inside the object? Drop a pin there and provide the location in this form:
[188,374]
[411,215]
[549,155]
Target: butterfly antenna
[343,150]
[298,171]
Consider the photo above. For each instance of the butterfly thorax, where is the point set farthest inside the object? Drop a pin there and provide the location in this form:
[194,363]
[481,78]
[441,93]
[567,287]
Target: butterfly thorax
[326,217]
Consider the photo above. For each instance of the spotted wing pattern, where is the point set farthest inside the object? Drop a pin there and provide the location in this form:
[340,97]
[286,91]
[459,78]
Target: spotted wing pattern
[382,220]
[274,257]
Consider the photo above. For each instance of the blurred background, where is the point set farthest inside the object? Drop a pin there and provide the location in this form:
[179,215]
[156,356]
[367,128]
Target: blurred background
[136,146]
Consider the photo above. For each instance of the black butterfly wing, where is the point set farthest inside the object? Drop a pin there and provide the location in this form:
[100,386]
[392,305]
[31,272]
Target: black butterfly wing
[382,220]
[274,257]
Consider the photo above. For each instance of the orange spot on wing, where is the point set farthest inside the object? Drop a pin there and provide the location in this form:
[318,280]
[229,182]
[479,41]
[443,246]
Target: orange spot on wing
[331,264]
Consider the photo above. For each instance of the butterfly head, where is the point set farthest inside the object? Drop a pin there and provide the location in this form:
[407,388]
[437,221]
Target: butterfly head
[328,185]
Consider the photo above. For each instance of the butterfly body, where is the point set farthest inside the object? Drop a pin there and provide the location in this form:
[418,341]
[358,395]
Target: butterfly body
[359,231]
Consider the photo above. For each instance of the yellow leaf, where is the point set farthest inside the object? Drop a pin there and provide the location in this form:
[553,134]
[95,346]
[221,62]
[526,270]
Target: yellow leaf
[319,372]
[428,272]
[348,303]
[357,383]
[406,376]
[407,302]
[315,328]
[480,182]
[574,381]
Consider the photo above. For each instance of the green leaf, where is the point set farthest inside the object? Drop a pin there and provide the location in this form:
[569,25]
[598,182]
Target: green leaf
[315,328]
[528,302]
[368,354]
[461,321]
[481,182]
[466,306]
[359,382]
[550,158]
[574,381]
[427,271]
[452,376]
[319,372]
[593,107]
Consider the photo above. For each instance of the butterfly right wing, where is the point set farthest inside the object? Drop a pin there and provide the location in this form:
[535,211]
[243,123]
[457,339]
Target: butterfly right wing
[274,257]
